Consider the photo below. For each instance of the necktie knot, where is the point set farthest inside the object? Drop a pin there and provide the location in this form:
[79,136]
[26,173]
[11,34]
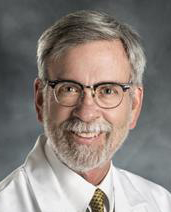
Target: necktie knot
[97,202]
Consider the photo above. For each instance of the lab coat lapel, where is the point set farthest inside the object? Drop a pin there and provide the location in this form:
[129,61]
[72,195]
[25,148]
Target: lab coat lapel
[46,189]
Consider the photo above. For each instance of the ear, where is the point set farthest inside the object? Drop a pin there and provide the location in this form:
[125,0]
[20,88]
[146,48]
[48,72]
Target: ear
[38,99]
[136,105]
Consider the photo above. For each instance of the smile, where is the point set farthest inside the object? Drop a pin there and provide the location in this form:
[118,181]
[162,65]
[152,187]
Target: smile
[87,135]
[87,138]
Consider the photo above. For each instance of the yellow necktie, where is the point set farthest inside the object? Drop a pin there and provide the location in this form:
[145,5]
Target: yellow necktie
[97,202]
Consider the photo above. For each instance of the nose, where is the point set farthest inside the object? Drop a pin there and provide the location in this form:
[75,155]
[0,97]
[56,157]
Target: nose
[87,110]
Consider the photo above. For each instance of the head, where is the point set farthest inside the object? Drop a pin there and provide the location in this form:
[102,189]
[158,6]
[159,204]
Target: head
[89,48]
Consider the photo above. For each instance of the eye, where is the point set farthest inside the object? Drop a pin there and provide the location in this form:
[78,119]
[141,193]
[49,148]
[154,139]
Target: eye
[108,90]
[68,89]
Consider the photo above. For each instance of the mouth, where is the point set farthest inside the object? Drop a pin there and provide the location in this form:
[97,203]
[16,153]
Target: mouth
[87,135]
[86,138]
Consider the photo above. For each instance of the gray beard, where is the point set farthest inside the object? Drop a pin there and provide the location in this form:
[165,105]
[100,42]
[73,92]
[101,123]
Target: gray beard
[84,157]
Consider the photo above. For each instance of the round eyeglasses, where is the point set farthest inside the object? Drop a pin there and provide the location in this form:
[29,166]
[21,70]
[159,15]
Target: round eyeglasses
[105,94]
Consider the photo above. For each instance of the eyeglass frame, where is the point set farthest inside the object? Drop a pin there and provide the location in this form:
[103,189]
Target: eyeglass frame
[124,86]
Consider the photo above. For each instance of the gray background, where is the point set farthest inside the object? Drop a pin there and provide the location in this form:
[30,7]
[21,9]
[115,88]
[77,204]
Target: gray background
[147,151]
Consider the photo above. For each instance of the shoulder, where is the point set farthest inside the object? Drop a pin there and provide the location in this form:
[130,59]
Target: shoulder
[12,188]
[16,189]
[15,177]
[149,191]
[16,193]
[140,182]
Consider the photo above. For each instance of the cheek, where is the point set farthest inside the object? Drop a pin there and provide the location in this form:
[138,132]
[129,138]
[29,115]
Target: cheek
[56,112]
[120,115]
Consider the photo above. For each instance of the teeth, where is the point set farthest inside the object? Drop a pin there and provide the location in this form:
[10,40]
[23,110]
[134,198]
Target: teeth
[87,135]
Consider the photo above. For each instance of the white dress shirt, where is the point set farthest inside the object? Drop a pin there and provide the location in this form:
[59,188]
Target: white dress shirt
[78,191]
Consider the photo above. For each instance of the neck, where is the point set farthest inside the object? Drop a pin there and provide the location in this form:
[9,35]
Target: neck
[95,176]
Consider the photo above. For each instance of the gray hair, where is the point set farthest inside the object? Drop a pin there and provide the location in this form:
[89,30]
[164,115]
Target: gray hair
[86,26]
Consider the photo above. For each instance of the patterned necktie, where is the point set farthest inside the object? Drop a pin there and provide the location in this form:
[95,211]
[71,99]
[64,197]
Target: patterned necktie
[97,202]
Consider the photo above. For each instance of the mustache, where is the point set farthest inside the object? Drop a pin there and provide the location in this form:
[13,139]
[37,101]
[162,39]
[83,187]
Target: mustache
[76,125]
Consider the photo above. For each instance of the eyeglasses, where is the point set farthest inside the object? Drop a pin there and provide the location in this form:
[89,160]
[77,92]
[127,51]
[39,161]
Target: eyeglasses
[105,94]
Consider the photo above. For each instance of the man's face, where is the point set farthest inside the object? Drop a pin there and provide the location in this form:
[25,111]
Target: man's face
[85,136]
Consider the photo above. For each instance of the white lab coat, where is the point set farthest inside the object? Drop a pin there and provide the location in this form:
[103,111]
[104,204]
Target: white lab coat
[33,187]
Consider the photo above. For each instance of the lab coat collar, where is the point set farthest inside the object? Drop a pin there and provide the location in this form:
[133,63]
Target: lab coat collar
[46,188]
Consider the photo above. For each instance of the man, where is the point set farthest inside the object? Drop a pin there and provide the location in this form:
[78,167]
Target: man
[88,96]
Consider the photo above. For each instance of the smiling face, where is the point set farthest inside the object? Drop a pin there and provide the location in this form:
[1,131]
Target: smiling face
[86,136]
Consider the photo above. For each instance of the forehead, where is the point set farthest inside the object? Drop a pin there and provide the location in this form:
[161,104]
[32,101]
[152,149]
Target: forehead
[92,62]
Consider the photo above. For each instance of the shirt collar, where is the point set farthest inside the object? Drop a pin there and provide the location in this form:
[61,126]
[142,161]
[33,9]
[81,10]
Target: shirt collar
[70,181]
